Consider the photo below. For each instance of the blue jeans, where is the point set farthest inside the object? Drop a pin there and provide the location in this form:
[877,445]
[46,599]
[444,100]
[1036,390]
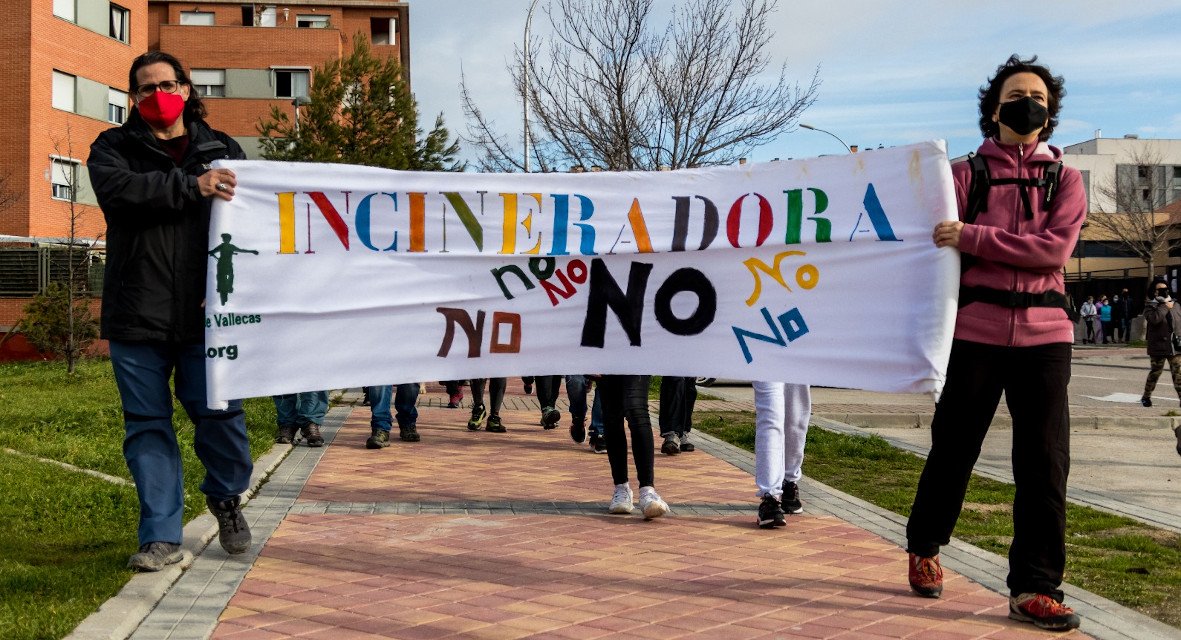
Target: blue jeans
[300,409]
[142,370]
[576,389]
[596,425]
[404,401]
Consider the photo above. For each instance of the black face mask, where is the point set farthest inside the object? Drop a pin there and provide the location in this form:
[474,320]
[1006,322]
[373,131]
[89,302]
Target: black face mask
[1024,116]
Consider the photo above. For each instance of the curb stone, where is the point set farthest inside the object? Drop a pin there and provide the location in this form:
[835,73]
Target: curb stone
[119,616]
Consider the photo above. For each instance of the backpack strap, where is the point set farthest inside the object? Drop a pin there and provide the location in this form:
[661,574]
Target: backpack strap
[977,188]
[1050,182]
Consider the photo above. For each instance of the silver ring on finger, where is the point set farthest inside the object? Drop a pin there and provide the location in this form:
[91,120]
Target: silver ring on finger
[221,186]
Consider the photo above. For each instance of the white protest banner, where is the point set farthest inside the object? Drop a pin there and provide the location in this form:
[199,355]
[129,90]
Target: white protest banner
[818,271]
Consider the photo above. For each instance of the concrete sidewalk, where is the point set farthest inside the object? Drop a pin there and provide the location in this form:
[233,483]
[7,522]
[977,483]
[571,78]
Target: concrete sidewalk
[482,535]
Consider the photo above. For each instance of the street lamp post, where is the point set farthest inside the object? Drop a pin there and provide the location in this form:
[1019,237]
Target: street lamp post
[525,91]
[811,128]
[298,102]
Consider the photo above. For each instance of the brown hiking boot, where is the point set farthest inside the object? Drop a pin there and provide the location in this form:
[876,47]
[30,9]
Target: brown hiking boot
[926,576]
[285,434]
[311,433]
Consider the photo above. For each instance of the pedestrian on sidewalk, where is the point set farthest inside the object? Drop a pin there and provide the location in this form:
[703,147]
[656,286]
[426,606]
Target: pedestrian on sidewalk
[1015,233]
[303,413]
[678,395]
[1162,316]
[1120,308]
[1104,308]
[1090,316]
[548,388]
[577,388]
[381,422]
[154,184]
[782,414]
[496,399]
[627,396]
[454,392]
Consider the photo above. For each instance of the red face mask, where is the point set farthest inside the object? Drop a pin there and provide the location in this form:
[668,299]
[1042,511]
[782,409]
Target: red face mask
[161,110]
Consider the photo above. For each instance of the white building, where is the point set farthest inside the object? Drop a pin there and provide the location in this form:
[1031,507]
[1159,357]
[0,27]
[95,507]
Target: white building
[1130,163]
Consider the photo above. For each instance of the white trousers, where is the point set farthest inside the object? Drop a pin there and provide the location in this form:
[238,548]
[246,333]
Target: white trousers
[782,413]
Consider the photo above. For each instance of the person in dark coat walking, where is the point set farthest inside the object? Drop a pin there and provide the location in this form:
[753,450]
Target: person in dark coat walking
[154,183]
[1163,318]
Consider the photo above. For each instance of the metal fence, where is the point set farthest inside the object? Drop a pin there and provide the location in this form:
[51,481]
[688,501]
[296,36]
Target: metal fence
[27,271]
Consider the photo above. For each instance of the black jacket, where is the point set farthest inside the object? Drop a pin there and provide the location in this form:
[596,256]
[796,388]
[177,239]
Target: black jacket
[157,230]
[1162,322]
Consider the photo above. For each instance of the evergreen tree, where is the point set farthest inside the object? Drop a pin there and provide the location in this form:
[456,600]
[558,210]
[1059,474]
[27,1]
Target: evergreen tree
[361,112]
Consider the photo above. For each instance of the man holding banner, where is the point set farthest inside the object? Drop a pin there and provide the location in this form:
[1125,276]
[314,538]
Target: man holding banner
[154,184]
[1021,212]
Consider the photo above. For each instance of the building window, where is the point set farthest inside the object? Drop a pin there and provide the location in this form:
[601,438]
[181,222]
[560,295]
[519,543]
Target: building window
[119,22]
[266,17]
[311,22]
[64,91]
[209,83]
[196,18]
[65,9]
[385,30]
[291,83]
[64,176]
[116,106]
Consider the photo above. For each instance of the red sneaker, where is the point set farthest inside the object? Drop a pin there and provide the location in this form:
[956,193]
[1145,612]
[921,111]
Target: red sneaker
[926,576]
[454,400]
[1043,611]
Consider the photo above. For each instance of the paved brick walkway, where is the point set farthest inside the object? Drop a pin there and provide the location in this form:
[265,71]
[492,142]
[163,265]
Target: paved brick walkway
[482,535]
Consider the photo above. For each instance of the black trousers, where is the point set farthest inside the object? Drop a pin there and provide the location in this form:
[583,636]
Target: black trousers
[495,389]
[547,390]
[677,396]
[627,396]
[1034,381]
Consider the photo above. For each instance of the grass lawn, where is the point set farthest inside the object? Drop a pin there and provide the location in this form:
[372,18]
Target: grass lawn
[1118,558]
[67,535]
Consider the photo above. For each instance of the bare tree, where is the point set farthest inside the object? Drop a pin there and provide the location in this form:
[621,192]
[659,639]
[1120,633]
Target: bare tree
[606,89]
[1130,206]
[58,319]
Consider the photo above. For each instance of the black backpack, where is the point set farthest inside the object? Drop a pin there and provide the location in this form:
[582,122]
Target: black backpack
[981,181]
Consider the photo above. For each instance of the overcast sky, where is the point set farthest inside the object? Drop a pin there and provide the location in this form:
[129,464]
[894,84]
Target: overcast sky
[892,72]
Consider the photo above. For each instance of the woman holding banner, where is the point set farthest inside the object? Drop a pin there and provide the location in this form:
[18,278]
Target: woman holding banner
[1020,213]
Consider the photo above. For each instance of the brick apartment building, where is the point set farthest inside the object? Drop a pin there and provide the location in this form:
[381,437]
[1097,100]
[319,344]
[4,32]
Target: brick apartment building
[65,81]
[247,57]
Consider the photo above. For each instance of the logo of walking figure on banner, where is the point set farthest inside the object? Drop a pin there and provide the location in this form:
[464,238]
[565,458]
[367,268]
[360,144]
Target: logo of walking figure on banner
[224,253]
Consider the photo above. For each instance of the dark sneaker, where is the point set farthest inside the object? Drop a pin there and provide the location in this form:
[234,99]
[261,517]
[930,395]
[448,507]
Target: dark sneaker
[409,433]
[378,439]
[670,448]
[770,513]
[232,531]
[311,433]
[926,576]
[550,417]
[453,400]
[154,556]
[599,444]
[1177,432]
[478,414]
[791,498]
[528,388]
[494,425]
[1146,401]
[578,428]
[286,434]
[686,446]
[1043,611]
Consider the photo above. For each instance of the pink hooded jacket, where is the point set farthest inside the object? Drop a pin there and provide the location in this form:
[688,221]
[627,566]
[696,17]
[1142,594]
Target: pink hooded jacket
[1015,253]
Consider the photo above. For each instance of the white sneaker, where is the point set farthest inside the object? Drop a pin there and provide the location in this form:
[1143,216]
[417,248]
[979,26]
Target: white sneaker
[651,503]
[621,500]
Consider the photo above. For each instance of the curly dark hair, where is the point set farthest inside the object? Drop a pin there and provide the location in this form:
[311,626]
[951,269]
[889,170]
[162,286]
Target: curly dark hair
[194,107]
[990,94]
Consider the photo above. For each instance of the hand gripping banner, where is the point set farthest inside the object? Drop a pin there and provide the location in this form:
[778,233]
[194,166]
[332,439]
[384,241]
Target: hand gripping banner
[818,271]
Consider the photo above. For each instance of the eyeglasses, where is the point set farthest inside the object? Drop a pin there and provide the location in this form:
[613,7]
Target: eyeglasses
[168,86]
